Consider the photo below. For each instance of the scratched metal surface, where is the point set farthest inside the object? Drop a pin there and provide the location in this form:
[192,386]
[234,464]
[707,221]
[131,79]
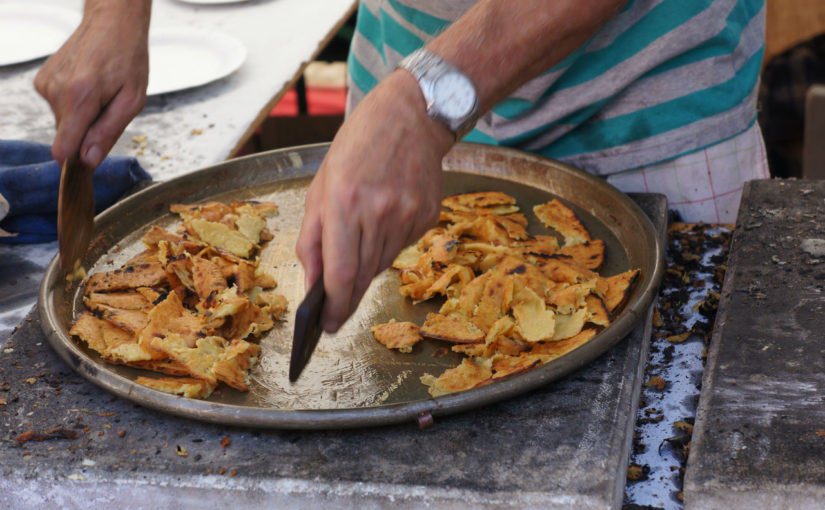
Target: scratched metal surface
[351,380]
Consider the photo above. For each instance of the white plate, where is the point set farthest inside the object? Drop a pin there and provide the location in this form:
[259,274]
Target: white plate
[183,57]
[29,32]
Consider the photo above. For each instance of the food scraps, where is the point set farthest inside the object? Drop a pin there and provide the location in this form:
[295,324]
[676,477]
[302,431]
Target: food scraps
[53,433]
[189,306]
[512,301]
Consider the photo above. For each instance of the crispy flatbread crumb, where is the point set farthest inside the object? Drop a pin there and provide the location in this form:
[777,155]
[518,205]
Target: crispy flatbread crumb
[397,335]
[451,328]
[223,237]
[509,366]
[183,386]
[465,376]
[563,220]
[483,200]
[619,287]
[553,350]
[238,360]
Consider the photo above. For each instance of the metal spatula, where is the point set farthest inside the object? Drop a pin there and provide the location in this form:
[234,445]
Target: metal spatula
[307,328]
[75,212]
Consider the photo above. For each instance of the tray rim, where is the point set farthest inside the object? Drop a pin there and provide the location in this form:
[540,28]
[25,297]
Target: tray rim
[306,419]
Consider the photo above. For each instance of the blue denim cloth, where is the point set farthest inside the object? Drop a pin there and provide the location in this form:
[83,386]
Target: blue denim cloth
[30,181]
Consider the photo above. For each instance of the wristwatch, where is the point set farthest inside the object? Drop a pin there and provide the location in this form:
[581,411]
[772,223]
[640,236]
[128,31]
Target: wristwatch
[450,94]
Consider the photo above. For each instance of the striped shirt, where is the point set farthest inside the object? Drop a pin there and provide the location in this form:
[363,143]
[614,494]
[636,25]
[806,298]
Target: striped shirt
[663,78]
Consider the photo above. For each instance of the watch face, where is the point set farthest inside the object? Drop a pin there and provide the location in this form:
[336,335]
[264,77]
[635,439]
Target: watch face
[454,94]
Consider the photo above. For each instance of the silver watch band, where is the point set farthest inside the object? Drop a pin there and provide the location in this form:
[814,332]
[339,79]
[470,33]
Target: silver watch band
[427,68]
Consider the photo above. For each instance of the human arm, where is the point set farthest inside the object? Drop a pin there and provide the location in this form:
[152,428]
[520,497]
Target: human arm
[96,82]
[379,187]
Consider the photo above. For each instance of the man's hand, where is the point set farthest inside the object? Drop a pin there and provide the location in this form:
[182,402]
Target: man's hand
[379,187]
[96,83]
[377,190]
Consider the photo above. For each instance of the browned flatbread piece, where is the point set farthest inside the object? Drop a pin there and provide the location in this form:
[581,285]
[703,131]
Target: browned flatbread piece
[157,234]
[182,268]
[597,311]
[397,335]
[559,348]
[507,346]
[534,322]
[471,294]
[91,330]
[515,225]
[408,257]
[129,320]
[471,350]
[442,248]
[111,342]
[124,300]
[249,320]
[209,211]
[465,376]
[451,281]
[265,209]
[240,356]
[221,236]
[470,202]
[197,360]
[151,295]
[488,229]
[563,220]
[505,367]
[270,302]
[207,278]
[149,274]
[164,366]
[144,257]
[569,325]
[495,300]
[618,290]
[528,275]
[170,317]
[451,328]
[566,271]
[541,245]
[417,283]
[568,299]
[237,272]
[589,254]
[183,386]
[456,217]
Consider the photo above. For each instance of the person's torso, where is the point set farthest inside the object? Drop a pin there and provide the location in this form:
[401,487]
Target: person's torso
[663,78]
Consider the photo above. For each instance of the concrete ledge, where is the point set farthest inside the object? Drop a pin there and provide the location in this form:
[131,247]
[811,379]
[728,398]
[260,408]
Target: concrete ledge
[759,438]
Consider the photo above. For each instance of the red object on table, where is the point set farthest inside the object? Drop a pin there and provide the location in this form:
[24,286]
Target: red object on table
[320,101]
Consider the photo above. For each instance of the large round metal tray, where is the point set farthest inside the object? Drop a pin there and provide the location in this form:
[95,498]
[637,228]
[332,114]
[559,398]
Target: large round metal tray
[351,380]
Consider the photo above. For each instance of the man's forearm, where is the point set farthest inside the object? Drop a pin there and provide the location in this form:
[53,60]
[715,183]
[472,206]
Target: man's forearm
[137,12]
[501,45]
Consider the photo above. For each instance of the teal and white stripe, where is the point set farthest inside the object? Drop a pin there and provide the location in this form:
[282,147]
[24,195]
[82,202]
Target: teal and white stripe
[662,79]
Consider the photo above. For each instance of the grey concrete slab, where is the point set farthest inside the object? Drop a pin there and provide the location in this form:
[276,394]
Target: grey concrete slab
[563,446]
[759,437]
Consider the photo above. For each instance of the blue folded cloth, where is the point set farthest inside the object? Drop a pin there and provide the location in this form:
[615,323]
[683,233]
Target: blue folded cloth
[30,181]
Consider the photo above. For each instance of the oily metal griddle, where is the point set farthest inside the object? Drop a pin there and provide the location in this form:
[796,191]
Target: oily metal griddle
[351,380]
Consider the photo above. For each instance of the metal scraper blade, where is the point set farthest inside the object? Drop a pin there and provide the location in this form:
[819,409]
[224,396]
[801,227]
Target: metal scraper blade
[307,328]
